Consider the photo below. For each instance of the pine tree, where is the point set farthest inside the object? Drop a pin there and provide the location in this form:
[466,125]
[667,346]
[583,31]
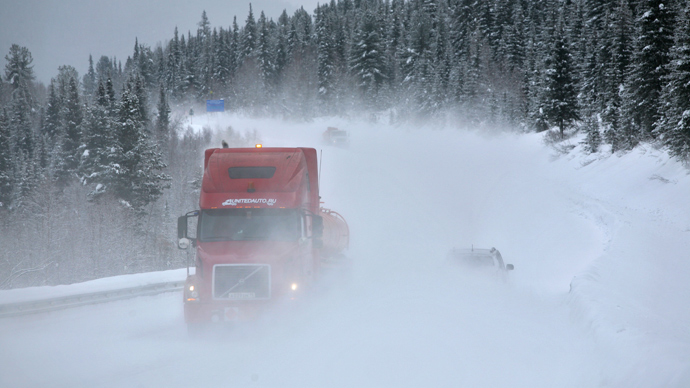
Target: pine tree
[89,81]
[618,37]
[98,144]
[174,61]
[19,74]
[367,61]
[513,41]
[249,36]
[442,65]
[673,127]
[163,118]
[110,93]
[159,59]
[135,168]
[145,66]
[205,59]
[222,53]
[73,115]
[129,127]
[189,83]
[6,162]
[561,94]
[233,63]
[104,69]
[649,66]
[265,53]
[70,134]
[51,123]
[141,92]
[394,40]
[325,56]
[204,24]
[19,71]
[592,140]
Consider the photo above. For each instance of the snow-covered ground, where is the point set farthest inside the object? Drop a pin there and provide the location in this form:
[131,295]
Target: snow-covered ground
[598,298]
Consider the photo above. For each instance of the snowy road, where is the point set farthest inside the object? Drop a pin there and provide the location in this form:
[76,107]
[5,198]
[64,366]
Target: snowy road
[404,318]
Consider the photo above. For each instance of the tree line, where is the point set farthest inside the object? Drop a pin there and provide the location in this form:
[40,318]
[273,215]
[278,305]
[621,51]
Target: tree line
[94,168]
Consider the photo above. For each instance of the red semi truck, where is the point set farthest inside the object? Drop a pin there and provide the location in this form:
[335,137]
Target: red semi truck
[261,234]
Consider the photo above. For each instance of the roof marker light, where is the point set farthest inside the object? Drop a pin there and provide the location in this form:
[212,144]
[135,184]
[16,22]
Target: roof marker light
[259,146]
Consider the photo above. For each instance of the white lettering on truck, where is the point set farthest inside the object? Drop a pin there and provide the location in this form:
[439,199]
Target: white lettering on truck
[242,201]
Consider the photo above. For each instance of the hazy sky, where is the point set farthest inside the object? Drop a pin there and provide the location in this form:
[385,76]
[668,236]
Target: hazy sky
[65,32]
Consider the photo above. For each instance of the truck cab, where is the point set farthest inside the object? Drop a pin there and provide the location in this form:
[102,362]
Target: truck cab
[258,232]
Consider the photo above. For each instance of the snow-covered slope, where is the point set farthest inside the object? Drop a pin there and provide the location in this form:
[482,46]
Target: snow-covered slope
[597,298]
[634,295]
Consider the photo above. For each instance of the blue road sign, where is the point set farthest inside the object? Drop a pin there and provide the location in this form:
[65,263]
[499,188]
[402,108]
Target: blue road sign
[215,106]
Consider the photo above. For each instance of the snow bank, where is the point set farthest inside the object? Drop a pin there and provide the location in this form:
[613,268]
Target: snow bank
[634,296]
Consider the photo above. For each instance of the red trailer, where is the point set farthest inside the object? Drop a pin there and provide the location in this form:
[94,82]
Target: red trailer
[261,235]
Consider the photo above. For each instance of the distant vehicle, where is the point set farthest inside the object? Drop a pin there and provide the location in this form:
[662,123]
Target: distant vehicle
[480,259]
[336,137]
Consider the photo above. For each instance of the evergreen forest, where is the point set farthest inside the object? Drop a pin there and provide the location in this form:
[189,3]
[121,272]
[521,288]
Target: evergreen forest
[95,168]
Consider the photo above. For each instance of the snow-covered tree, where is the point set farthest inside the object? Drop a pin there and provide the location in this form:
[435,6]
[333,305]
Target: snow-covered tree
[367,60]
[89,82]
[649,65]
[561,95]
[70,134]
[135,171]
[6,162]
[163,118]
[674,124]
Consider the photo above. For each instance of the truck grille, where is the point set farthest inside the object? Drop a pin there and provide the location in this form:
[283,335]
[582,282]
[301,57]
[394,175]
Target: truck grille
[241,281]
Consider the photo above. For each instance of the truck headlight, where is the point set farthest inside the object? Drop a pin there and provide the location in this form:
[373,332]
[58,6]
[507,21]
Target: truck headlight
[191,294]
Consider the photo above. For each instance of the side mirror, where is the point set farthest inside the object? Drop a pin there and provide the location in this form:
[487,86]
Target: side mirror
[317,226]
[182,227]
[510,267]
[184,241]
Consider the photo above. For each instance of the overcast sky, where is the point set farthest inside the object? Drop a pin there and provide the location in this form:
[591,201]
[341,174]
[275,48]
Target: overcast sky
[65,32]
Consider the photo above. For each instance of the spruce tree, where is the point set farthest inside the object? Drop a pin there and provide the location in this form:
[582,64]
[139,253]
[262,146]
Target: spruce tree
[205,59]
[222,53]
[6,162]
[95,153]
[593,139]
[620,38]
[325,56]
[110,93]
[135,168]
[70,134]
[249,36]
[561,94]
[19,75]
[461,25]
[367,63]
[265,53]
[19,70]
[72,117]
[89,81]
[163,118]
[172,74]
[234,63]
[51,122]
[674,124]
[649,66]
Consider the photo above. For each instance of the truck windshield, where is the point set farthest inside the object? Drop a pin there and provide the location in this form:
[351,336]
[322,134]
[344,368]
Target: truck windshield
[249,224]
